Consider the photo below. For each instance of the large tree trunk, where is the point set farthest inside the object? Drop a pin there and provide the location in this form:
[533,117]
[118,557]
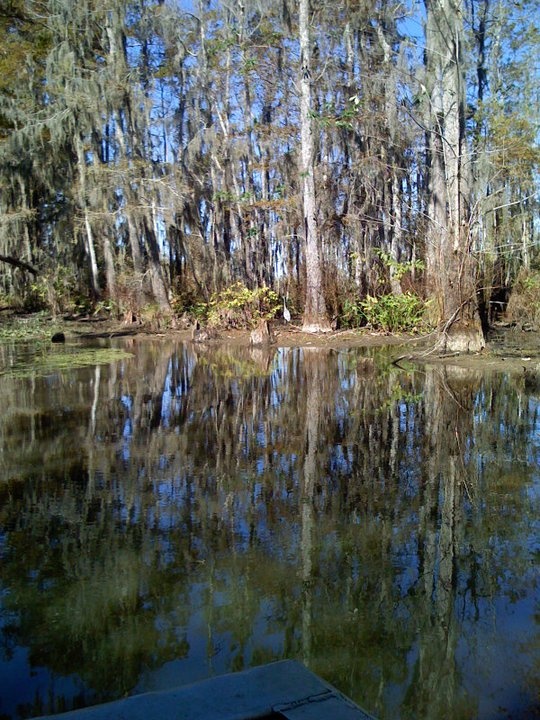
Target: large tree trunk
[315,318]
[88,232]
[155,271]
[393,194]
[92,258]
[110,270]
[449,263]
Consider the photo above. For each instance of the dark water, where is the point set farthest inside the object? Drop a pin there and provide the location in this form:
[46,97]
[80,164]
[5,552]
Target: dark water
[189,512]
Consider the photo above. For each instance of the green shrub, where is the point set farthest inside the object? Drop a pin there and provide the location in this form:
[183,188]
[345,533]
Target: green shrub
[52,291]
[36,297]
[8,301]
[394,313]
[239,307]
[400,268]
[524,304]
[390,313]
[351,315]
[199,311]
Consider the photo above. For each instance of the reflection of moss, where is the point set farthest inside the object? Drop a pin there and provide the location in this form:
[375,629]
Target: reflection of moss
[66,359]
[399,396]
[226,366]
[84,598]
[209,534]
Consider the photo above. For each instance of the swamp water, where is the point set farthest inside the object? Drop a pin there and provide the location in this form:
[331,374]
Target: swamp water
[185,511]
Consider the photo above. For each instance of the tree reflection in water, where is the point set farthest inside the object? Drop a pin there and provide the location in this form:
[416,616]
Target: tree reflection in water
[193,511]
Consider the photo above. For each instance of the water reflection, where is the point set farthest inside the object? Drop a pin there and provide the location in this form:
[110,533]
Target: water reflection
[192,511]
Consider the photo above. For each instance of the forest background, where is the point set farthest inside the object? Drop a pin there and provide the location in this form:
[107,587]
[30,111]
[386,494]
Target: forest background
[350,161]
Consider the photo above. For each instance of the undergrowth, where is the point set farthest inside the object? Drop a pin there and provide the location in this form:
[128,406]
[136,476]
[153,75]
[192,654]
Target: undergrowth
[389,313]
[237,307]
[36,326]
[524,304]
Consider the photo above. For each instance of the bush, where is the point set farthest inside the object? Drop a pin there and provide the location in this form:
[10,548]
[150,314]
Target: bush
[36,298]
[239,307]
[400,269]
[52,291]
[390,313]
[351,315]
[524,304]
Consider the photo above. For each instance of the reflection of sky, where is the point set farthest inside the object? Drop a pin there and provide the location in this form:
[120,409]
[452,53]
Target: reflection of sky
[127,430]
[533,455]
[214,536]
[21,678]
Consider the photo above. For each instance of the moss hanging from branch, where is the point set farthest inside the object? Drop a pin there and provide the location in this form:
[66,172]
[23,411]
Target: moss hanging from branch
[19,263]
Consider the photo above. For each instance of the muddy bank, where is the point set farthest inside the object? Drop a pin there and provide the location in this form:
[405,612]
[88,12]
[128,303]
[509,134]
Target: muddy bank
[506,347]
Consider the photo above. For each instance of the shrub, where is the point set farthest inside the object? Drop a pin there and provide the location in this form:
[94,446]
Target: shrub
[239,307]
[524,304]
[390,313]
[351,315]
[36,297]
[51,291]
[400,268]
[394,313]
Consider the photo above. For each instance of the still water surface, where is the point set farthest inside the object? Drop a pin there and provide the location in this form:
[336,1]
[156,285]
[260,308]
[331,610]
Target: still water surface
[192,511]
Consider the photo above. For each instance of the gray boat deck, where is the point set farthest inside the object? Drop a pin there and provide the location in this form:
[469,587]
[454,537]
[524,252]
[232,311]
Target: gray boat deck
[283,689]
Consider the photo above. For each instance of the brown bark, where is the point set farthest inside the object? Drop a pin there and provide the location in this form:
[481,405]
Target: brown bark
[449,263]
[315,318]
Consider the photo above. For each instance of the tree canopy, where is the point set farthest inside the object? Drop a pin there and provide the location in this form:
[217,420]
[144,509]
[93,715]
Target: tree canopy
[153,152]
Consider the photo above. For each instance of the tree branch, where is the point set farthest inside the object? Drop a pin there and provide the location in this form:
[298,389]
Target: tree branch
[19,263]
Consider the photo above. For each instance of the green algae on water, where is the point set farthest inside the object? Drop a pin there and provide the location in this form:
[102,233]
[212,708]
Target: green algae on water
[49,360]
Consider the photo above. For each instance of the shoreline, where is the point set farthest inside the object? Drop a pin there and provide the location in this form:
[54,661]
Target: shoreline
[506,347]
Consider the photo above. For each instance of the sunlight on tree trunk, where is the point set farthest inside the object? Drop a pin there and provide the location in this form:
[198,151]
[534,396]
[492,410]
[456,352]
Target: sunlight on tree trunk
[314,363]
[88,232]
[450,268]
[315,319]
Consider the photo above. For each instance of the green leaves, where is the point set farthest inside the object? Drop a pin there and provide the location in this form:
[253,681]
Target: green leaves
[239,307]
[389,313]
[394,313]
[399,269]
[47,362]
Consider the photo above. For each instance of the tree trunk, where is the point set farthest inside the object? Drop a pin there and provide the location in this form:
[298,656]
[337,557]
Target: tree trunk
[392,215]
[91,251]
[88,234]
[315,318]
[449,263]
[110,270]
[155,271]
